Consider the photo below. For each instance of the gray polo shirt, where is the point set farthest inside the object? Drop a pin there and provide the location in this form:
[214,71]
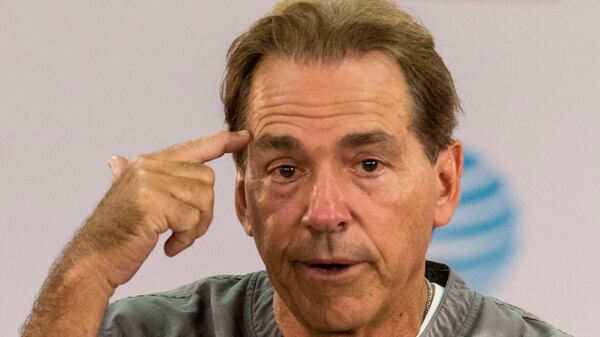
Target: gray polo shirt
[232,306]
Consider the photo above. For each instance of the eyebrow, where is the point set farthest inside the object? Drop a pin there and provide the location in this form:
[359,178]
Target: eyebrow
[354,140]
[279,143]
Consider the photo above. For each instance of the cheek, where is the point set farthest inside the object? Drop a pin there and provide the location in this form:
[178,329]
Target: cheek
[402,211]
[274,216]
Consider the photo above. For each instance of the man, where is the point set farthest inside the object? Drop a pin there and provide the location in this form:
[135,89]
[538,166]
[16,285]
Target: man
[341,116]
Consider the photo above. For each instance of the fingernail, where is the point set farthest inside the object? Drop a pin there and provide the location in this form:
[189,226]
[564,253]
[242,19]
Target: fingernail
[110,164]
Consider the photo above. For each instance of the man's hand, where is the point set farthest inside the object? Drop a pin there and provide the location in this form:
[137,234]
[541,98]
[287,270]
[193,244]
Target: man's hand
[171,189]
[154,193]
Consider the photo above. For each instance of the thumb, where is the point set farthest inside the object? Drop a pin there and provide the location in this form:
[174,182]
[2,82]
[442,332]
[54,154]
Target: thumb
[117,165]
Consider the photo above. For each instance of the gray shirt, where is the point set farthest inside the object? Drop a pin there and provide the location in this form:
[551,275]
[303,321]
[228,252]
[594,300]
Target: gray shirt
[232,306]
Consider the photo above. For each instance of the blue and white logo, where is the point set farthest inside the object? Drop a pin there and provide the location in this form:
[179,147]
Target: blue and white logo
[481,238]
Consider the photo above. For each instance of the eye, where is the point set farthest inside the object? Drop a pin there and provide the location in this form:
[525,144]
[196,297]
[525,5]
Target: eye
[369,168]
[370,165]
[286,171]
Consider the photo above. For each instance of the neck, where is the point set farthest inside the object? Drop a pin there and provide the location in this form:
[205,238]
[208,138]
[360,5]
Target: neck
[403,318]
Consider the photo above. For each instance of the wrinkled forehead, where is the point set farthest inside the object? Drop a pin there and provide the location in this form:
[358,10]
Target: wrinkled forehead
[366,89]
[352,140]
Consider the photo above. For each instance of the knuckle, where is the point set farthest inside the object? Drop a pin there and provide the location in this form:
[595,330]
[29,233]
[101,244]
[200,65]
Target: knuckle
[142,160]
[202,225]
[209,197]
[186,240]
[182,212]
[201,230]
[206,213]
[208,175]
[202,212]
[195,216]
[225,135]
[190,217]
[193,186]
[205,202]
[140,176]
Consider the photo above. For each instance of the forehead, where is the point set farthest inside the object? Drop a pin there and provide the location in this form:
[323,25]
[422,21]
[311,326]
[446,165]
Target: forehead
[366,91]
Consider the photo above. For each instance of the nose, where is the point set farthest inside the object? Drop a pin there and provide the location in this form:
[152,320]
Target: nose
[326,211]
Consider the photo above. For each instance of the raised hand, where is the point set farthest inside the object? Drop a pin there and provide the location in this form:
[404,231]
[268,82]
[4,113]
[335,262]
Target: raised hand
[154,193]
[151,194]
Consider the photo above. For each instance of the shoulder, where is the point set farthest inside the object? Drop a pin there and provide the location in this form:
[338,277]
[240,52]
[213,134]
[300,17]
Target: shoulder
[494,316]
[464,312]
[198,308]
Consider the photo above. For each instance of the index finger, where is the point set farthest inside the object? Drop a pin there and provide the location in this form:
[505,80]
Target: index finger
[208,148]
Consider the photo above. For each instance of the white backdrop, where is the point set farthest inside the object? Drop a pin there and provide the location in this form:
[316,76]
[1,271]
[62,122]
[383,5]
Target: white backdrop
[82,80]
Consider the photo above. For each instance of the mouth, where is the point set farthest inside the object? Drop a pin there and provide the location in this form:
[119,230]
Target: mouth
[330,266]
[334,269]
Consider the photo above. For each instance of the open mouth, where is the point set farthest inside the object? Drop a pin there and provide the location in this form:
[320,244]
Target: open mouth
[330,266]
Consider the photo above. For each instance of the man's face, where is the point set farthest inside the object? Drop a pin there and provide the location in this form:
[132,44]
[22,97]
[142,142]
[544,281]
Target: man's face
[338,193]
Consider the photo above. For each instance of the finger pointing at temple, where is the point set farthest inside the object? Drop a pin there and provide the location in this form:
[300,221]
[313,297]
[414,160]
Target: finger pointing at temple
[206,149]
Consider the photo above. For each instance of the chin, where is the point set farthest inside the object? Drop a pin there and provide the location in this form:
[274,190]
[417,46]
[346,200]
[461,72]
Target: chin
[336,315]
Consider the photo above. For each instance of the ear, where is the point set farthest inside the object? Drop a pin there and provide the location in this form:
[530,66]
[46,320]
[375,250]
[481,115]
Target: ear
[449,167]
[241,207]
